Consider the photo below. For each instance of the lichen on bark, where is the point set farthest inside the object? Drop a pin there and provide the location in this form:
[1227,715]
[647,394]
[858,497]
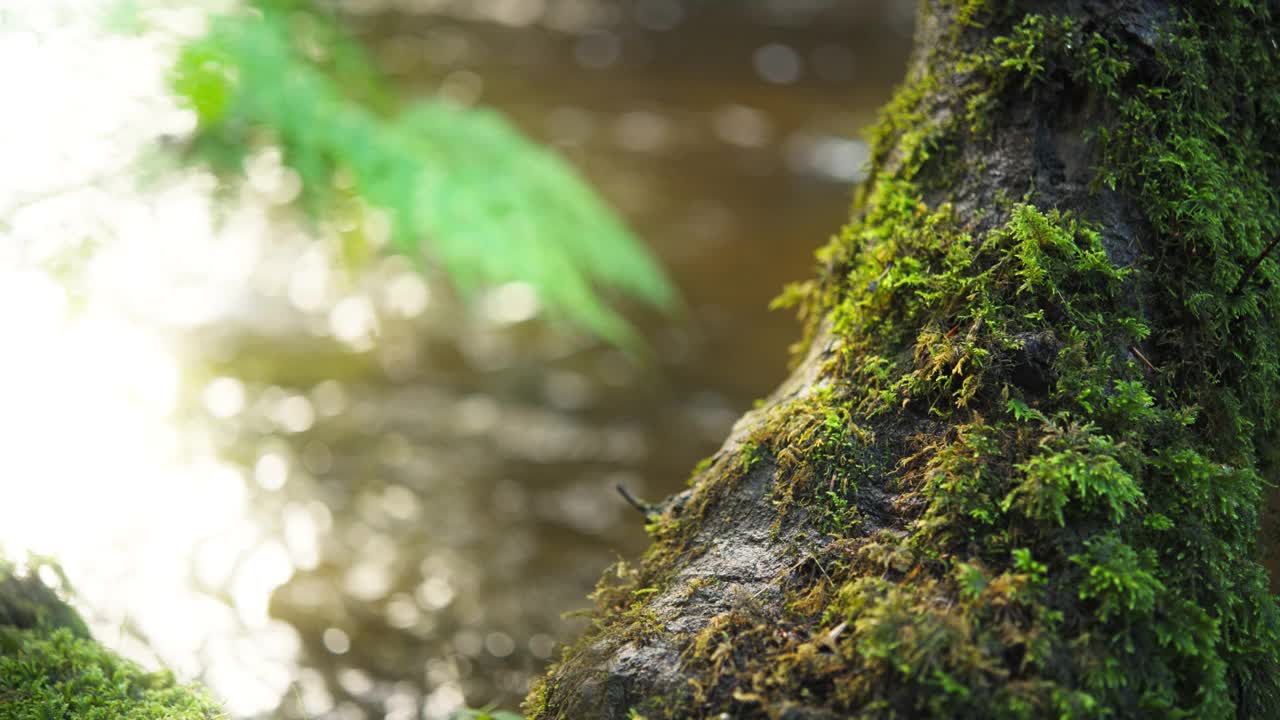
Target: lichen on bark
[1018,469]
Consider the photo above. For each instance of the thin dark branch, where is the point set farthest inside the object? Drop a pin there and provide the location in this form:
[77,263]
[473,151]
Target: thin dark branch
[632,500]
[1253,266]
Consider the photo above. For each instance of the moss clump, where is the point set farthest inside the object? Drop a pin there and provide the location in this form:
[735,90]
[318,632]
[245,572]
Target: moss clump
[56,674]
[50,668]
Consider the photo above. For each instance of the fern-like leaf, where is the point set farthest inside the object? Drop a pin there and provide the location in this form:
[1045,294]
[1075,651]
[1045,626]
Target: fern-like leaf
[461,187]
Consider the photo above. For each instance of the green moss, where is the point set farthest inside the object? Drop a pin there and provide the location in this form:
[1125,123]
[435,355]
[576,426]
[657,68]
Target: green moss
[1076,467]
[748,456]
[535,703]
[1080,479]
[642,623]
[50,668]
[699,469]
[817,447]
[56,674]
[837,517]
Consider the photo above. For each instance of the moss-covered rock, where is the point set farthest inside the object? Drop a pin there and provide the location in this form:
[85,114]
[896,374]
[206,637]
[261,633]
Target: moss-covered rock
[51,669]
[1019,468]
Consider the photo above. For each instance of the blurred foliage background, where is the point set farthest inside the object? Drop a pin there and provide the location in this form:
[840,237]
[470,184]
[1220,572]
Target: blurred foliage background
[299,412]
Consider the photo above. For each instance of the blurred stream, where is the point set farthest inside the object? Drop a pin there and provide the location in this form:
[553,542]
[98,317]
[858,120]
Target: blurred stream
[398,493]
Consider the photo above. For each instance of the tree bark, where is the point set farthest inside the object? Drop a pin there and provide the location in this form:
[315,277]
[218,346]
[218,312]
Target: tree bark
[1018,468]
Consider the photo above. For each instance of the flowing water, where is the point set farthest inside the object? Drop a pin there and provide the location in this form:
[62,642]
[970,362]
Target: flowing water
[375,500]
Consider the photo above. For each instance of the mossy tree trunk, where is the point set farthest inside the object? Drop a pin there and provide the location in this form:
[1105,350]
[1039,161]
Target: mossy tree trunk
[1018,469]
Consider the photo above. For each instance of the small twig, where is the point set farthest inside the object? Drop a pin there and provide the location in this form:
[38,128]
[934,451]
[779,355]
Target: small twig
[834,635]
[1143,358]
[643,507]
[297,691]
[819,564]
[871,286]
[1253,266]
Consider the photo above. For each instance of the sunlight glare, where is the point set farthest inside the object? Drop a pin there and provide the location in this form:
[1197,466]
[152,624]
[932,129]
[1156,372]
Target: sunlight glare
[96,277]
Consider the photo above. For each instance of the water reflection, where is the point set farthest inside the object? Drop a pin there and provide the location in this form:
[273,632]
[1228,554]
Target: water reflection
[337,493]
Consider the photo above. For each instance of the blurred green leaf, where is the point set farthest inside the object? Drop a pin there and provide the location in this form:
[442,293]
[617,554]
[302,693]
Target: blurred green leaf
[202,76]
[462,188]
